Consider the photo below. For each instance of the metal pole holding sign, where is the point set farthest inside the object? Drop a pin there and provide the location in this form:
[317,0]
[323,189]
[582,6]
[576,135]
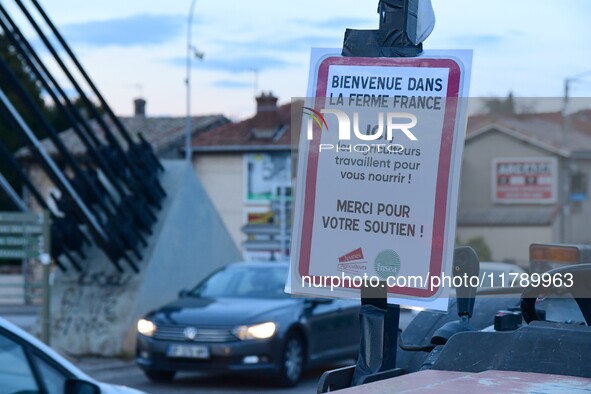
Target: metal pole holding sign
[380,321]
[378,179]
[283,252]
[123,131]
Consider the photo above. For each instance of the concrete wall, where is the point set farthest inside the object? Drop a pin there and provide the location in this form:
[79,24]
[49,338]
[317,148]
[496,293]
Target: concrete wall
[95,312]
[222,176]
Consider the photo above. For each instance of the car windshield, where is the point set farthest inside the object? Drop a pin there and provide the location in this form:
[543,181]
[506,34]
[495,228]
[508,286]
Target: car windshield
[244,281]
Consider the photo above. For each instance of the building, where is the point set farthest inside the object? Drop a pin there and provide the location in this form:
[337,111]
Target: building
[524,180]
[242,165]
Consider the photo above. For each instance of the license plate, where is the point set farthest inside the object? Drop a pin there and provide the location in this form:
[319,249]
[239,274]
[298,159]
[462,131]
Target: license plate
[188,351]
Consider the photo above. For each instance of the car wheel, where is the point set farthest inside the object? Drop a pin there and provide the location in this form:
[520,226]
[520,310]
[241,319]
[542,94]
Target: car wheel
[292,360]
[159,376]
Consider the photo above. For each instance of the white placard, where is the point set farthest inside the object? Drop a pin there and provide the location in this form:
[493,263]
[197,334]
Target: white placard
[382,207]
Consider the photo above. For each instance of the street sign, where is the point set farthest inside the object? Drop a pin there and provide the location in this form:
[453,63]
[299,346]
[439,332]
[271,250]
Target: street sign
[20,217]
[271,231]
[21,229]
[378,174]
[22,235]
[18,254]
[19,241]
[261,229]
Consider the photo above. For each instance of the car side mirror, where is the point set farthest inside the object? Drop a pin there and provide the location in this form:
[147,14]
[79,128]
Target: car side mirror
[78,386]
[184,293]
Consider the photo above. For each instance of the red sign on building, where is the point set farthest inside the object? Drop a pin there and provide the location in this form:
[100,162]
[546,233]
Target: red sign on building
[525,180]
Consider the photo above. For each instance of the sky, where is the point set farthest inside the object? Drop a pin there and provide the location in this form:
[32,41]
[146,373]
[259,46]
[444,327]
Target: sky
[135,48]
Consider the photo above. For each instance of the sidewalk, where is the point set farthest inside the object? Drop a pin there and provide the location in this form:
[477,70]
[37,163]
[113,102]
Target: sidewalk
[106,369]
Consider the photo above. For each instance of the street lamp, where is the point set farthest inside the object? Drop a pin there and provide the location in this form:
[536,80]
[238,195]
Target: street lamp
[190,51]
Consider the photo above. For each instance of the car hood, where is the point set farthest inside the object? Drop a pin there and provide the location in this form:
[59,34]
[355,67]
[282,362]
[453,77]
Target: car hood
[219,311]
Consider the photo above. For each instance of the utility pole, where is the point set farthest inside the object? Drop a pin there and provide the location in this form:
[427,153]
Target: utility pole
[191,51]
[567,162]
[188,83]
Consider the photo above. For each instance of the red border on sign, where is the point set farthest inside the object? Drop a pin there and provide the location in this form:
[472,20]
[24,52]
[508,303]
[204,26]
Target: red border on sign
[447,138]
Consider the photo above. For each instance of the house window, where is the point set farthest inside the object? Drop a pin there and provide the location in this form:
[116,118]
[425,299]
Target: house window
[578,186]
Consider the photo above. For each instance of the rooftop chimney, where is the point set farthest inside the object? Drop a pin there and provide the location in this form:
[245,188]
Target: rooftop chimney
[266,103]
[266,120]
[139,105]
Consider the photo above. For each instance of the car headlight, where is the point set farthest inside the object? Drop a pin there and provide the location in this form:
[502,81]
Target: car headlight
[146,327]
[257,331]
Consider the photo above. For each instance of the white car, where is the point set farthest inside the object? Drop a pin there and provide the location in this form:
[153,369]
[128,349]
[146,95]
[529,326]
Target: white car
[28,366]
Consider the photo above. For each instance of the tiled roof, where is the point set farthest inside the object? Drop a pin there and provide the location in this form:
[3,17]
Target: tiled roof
[268,129]
[543,129]
[163,133]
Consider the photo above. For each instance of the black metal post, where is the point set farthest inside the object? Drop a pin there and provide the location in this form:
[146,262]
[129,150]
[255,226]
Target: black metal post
[82,211]
[50,85]
[17,169]
[379,335]
[12,79]
[96,92]
[12,194]
[136,205]
[141,213]
[398,18]
[155,193]
[379,321]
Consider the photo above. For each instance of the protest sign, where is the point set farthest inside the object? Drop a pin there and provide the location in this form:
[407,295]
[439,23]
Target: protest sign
[378,174]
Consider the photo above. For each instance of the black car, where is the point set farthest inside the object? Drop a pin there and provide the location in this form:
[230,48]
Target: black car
[239,319]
